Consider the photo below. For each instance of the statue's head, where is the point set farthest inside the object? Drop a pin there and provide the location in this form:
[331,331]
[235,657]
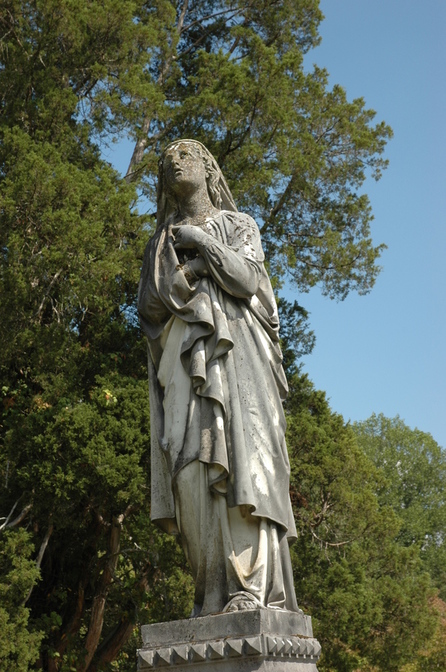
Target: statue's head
[189,160]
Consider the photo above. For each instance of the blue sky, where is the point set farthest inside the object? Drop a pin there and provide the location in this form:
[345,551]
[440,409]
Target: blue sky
[385,352]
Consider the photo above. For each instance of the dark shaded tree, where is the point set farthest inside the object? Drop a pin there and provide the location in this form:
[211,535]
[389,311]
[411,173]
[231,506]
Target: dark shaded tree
[369,597]
[74,419]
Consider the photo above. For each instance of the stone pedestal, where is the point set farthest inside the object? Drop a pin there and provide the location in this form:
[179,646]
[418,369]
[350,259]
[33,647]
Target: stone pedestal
[265,639]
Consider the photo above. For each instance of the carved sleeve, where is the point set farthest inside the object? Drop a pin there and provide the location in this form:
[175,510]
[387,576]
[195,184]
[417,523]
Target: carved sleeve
[237,266]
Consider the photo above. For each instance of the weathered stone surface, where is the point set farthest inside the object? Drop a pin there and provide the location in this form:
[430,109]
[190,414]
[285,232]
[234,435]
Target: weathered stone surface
[197,652]
[263,639]
[247,623]
[234,647]
[220,471]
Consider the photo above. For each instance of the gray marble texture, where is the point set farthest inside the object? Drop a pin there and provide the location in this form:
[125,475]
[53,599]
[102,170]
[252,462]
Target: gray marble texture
[220,470]
[263,639]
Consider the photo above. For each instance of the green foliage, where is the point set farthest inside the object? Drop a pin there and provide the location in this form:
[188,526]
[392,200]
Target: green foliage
[368,596]
[229,74]
[74,418]
[74,423]
[296,339]
[414,466]
[19,645]
[432,657]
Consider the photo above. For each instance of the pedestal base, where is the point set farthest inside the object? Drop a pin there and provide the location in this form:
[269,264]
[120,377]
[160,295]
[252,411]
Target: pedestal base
[263,639]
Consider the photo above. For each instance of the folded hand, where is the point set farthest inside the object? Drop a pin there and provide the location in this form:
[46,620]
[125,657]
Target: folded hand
[187,236]
[195,268]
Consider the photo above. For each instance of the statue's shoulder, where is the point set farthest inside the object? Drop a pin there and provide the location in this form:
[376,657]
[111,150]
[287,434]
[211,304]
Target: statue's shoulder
[239,219]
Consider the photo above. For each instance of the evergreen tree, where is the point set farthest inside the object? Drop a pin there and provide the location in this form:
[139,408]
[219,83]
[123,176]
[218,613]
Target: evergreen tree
[18,573]
[368,596]
[74,425]
[414,466]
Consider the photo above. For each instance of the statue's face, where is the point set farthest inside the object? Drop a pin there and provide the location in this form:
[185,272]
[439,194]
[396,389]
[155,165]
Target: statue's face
[183,169]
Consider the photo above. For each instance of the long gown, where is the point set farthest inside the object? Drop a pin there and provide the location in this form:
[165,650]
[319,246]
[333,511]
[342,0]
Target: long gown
[220,469]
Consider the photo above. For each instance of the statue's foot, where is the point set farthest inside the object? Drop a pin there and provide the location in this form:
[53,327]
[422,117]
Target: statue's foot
[242,602]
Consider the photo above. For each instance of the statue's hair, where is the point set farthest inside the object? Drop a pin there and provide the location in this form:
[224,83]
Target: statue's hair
[218,190]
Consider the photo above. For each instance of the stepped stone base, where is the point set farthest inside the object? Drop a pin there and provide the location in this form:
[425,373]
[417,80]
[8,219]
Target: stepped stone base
[267,640]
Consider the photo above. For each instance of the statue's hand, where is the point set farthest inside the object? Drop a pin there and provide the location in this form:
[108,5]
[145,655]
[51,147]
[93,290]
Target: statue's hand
[187,236]
[195,268]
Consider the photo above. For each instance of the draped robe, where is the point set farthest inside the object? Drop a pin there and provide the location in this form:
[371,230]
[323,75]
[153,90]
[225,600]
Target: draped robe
[220,469]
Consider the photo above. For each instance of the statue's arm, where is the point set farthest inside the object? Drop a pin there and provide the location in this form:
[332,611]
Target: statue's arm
[236,267]
[237,274]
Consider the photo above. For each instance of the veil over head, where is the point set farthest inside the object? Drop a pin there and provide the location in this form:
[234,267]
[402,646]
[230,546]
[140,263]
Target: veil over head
[218,190]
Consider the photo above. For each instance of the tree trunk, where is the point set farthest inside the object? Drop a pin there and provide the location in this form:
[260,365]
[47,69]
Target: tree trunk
[98,608]
[142,141]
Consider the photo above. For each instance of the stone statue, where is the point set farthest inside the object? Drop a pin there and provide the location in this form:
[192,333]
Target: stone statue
[220,470]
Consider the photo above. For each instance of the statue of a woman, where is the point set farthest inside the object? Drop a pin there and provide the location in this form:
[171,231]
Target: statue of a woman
[220,470]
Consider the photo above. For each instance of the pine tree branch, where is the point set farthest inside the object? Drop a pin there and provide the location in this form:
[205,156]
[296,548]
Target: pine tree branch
[142,142]
[331,544]
[209,31]
[109,649]
[119,637]
[47,294]
[75,623]
[182,16]
[138,150]
[22,515]
[280,201]
[207,17]
[99,601]
[40,555]
[44,544]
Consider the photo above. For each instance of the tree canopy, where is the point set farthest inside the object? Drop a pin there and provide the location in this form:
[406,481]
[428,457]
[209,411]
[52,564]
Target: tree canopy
[230,74]
[414,466]
[369,597]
